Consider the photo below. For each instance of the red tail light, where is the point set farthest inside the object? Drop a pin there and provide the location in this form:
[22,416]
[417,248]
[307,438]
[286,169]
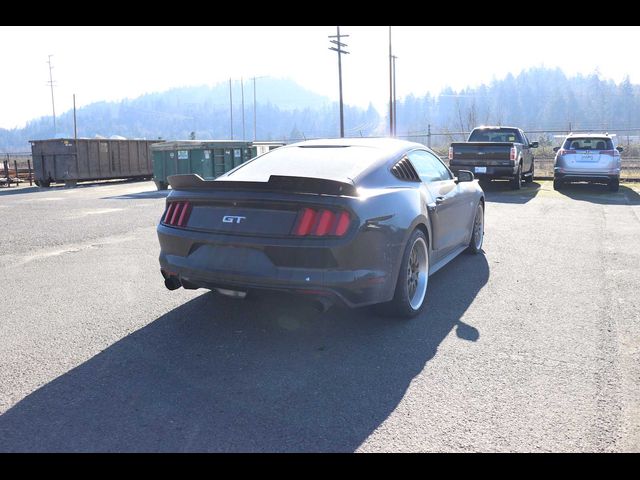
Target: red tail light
[611,153]
[565,152]
[450,153]
[321,223]
[514,152]
[177,214]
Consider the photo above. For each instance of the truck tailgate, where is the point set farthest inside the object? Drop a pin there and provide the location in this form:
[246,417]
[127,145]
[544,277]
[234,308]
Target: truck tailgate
[481,152]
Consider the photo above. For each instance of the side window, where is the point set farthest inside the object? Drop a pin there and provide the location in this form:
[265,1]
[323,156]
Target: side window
[429,167]
[525,140]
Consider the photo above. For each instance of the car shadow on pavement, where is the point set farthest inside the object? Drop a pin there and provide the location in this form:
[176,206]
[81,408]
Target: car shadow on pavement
[500,191]
[599,193]
[139,195]
[269,374]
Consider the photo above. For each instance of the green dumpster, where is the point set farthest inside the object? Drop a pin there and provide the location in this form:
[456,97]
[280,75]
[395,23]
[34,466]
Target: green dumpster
[207,158]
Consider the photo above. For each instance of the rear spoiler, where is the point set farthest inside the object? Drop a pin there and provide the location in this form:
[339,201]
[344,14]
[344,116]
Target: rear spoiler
[276,183]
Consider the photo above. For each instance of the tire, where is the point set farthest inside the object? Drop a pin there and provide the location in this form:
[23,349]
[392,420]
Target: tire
[614,184]
[413,278]
[45,183]
[516,181]
[557,184]
[529,177]
[477,235]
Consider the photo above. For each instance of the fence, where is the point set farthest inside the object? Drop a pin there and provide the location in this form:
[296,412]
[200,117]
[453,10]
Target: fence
[15,169]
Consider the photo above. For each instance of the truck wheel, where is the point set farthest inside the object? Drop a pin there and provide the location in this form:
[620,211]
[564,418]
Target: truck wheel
[516,181]
[529,177]
[614,184]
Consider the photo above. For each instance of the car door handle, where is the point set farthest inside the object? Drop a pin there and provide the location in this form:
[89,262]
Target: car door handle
[439,200]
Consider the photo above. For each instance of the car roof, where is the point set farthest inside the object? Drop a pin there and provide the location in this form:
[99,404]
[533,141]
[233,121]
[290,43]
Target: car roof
[590,135]
[495,127]
[341,159]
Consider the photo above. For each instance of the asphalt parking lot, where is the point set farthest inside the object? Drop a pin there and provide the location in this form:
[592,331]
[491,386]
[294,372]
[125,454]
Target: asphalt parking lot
[533,346]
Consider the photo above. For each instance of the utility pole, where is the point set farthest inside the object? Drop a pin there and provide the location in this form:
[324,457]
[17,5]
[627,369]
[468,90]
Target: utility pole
[254,109]
[390,87]
[242,96]
[340,52]
[53,105]
[75,127]
[395,102]
[231,108]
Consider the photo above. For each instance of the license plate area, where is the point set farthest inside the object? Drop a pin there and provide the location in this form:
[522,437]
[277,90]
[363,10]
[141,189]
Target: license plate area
[480,169]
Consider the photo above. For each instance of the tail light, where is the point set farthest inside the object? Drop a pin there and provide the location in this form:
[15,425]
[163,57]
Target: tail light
[514,152]
[611,153]
[450,153]
[177,214]
[565,152]
[321,223]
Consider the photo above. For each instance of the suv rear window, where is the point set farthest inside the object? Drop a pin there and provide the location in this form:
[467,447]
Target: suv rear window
[588,143]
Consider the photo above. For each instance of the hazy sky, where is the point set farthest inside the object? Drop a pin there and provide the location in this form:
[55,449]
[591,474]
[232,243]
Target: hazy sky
[111,63]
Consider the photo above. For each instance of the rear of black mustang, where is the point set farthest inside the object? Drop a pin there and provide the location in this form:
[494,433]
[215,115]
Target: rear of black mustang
[293,221]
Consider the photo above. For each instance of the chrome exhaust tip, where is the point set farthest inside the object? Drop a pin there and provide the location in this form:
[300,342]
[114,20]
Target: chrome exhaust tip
[231,293]
[172,283]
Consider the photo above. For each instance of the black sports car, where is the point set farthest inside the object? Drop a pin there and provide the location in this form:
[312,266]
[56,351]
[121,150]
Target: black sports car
[356,221]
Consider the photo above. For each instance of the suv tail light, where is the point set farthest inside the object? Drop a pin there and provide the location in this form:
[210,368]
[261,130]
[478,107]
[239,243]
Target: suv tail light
[177,214]
[321,223]
[562,151]
[450,153]
[611,153]
[512,155]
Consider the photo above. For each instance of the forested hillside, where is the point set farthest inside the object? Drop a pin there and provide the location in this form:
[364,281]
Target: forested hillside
[536,99]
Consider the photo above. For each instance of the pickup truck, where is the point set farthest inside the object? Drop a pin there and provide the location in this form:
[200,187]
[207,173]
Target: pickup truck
[495,152]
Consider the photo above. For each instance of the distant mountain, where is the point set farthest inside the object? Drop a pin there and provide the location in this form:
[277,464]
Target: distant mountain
[284,110]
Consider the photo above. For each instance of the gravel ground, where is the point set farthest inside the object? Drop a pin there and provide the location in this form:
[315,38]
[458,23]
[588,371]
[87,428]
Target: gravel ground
[533,346]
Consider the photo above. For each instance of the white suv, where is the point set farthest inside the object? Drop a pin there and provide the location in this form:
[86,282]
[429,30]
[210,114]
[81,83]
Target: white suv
[587,157]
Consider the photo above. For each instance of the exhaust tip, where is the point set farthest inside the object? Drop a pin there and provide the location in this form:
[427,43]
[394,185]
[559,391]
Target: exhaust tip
[172,283]
[231,293]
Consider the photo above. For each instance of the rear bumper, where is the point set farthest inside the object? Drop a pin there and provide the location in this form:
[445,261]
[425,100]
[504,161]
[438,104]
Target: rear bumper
[240,263]
[491,172]
[585,176]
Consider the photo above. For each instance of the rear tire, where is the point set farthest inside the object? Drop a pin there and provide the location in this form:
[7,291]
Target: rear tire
[161,185]
[614,185]
[477,235]
[516,181]
[413,278]
[529,177]
[557,184]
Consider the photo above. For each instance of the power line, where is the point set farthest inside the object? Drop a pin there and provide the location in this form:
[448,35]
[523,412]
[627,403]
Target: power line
[340,52]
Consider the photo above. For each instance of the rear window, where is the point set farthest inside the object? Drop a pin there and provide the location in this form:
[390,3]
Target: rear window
[332,162]
[588,143]
[495,135]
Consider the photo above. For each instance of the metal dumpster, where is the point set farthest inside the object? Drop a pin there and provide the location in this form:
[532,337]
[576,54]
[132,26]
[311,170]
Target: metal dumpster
[71,160]
[207,158]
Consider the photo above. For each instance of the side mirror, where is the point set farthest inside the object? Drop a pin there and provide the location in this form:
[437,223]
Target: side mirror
[465,176]
[555,149]
[620,149]
[534,144]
